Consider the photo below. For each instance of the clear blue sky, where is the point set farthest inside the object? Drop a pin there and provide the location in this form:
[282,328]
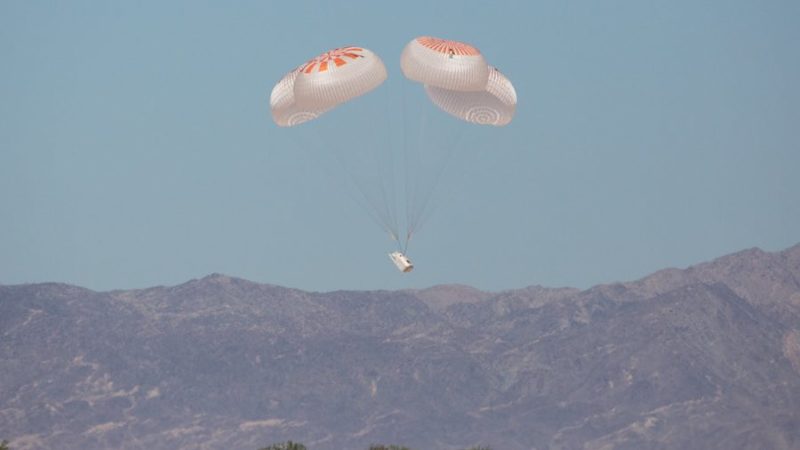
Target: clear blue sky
[136,146]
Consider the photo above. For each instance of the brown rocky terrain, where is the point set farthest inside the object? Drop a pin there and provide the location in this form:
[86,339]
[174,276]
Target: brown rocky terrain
[706,357]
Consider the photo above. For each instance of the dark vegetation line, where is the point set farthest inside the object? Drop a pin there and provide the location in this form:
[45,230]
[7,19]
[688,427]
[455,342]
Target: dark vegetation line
[289,445]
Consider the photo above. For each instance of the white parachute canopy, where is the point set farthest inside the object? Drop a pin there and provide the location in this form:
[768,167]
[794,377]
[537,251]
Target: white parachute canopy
[458,80]
[324,82]
[446,64]
[285,111]
[495,105]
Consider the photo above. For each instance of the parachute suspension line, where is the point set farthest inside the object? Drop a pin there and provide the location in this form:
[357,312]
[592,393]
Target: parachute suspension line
[373,208]
[310,139]
[425,163]
[384,160]
[407,168]
[417,168]
[429,203]
[442,153]
[372,158]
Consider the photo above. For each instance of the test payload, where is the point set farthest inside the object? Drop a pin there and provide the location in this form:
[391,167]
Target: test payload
[401,261]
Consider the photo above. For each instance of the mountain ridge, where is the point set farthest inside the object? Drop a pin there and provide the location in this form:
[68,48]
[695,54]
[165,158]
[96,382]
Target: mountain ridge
[790,254]
[702,357]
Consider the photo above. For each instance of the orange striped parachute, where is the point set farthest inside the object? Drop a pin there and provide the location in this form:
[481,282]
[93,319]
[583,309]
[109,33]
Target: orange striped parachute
[458,80]
[324,82]
[446,64]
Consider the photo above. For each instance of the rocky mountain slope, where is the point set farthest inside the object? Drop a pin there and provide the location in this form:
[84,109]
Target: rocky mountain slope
[702,358]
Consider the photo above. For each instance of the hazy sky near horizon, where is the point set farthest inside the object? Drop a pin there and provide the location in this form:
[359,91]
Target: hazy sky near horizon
[136,146]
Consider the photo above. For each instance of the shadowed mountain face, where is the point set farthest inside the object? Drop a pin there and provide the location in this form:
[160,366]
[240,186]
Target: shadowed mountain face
[702,358]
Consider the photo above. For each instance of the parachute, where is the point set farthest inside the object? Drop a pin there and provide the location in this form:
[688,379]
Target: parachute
[285,111]
[495,105]
[324,82]
[458,80]
[455,77]
[445,64]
